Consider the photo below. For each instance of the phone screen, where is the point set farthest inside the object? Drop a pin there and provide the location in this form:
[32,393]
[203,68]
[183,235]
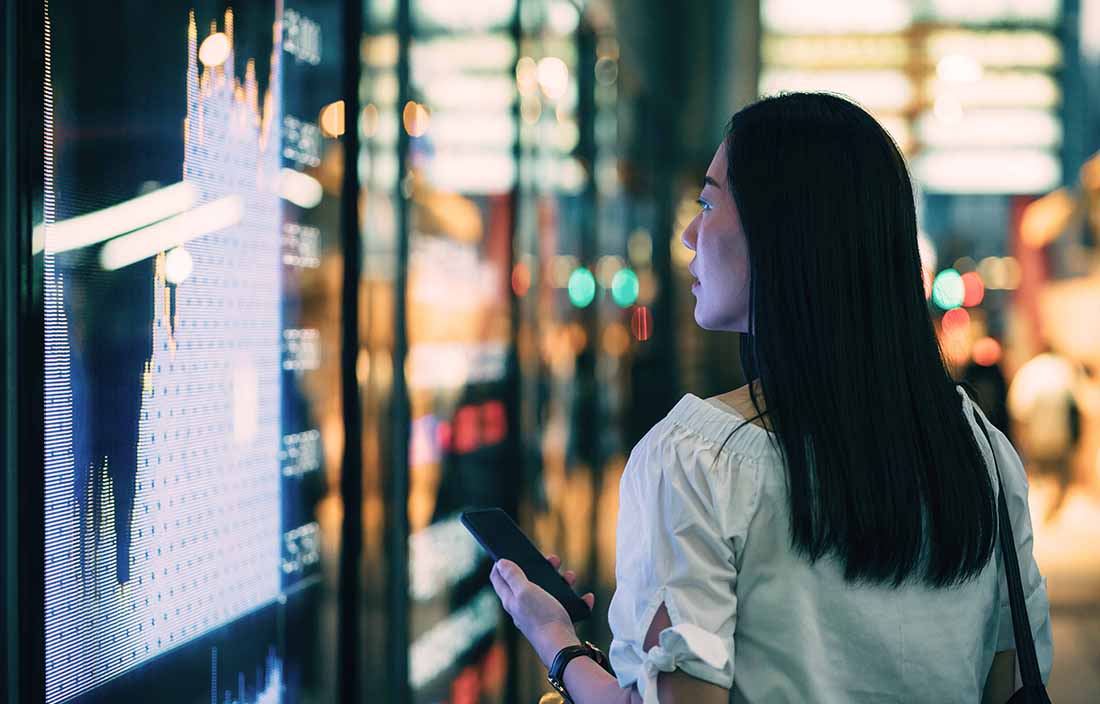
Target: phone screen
[502,539]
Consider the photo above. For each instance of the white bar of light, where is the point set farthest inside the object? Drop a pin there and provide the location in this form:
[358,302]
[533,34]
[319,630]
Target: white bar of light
[100,225]
[492,130]
[884,89]
[472,91]
[173,232]
[992,128]
[821,52]
[1002,89]
[479,52]
[300,189]
[991,171]
[1018,48]
[994,10]
[473,171]
[837,16]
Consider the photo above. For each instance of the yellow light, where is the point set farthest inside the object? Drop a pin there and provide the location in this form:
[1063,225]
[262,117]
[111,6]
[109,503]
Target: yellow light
[332,119]
[368,120]
[616,340]
[530,108]
[178,265]
[416,119]
[1047,218]
[527,79]
[214,50]
[553,77]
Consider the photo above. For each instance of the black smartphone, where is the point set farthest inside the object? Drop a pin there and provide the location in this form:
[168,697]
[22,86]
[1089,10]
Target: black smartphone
[502,539]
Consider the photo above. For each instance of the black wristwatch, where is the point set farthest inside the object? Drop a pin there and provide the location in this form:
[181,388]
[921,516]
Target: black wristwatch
[556,676]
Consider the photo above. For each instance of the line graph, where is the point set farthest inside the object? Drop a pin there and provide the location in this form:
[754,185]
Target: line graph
[162,478]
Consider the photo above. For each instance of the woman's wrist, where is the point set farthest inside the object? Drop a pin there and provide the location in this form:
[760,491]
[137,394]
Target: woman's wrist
[556,637]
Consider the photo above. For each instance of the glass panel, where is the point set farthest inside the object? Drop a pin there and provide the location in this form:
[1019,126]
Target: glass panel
[461,174]
[191,213]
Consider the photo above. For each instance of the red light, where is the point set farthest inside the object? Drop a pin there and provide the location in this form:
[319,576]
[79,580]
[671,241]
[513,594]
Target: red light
[494,668]
[641,323]
[974,289]
[496,424]
[987,352]
[955,321]
[521,279]
[443,435]
[466,429]
[466,687]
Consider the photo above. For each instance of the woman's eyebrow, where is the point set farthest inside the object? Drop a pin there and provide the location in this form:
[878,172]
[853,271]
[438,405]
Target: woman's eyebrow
[708,181]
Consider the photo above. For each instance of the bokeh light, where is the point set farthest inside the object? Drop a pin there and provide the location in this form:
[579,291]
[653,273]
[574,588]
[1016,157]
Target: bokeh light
[956,322]
[214,50]
[582,287]
[624,287]
[521,279]
[986,352]
[616,340]
[178,265]
[948,290]
[553,76]
[641,323]
[332,119]
[415,118]
[973,289]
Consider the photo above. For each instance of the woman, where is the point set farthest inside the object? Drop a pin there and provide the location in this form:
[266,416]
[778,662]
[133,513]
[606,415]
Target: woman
[828,532]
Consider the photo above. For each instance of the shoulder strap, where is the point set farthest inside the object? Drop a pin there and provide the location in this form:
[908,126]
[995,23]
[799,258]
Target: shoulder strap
[1021,625]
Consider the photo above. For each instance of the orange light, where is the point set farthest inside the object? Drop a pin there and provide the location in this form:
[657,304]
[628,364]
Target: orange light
[641,323]
[974,289]
[521,279]
[415,118]
[955,321]
[616,340]
[986,352]
[332,119]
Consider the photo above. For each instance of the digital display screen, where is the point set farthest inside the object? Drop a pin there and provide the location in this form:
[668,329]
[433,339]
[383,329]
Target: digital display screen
[188,195]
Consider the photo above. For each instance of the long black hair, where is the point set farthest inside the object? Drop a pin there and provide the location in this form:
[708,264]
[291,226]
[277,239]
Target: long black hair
[884,472]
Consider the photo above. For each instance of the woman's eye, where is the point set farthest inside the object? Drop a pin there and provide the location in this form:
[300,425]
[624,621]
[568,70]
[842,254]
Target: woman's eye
[703,204]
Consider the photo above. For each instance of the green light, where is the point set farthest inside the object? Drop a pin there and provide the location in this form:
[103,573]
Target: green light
[948,290]
[624,287]
[582,287]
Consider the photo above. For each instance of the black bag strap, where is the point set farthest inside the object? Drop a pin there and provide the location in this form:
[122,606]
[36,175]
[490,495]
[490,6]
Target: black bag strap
[1021,625]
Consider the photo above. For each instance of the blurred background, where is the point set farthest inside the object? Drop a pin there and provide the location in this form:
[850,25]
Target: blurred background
[485,300]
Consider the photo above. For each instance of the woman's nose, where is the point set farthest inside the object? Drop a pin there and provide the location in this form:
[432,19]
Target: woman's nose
[690,233]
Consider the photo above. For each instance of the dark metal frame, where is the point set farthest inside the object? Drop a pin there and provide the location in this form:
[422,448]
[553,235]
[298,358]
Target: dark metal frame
[21,336]
[396,474]
[348,679]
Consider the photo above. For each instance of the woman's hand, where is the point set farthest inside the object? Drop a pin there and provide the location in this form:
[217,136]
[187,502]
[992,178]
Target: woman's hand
[539,616]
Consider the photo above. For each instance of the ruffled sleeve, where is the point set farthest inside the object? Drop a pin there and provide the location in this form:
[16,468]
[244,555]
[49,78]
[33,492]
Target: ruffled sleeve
[682,513]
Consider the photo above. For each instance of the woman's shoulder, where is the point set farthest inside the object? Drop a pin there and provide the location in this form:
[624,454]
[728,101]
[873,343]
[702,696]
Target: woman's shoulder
[704,434]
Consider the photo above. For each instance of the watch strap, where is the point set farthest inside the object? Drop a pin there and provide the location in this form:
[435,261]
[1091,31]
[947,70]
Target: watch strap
[556,674]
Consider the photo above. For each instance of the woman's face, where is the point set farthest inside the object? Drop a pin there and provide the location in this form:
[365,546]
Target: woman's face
[721,263]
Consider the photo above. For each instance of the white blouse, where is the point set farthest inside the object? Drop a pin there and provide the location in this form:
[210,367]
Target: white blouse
[709,537]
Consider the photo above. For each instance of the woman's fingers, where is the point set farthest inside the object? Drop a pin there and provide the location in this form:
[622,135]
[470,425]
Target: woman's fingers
[569,575]
[589,599]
